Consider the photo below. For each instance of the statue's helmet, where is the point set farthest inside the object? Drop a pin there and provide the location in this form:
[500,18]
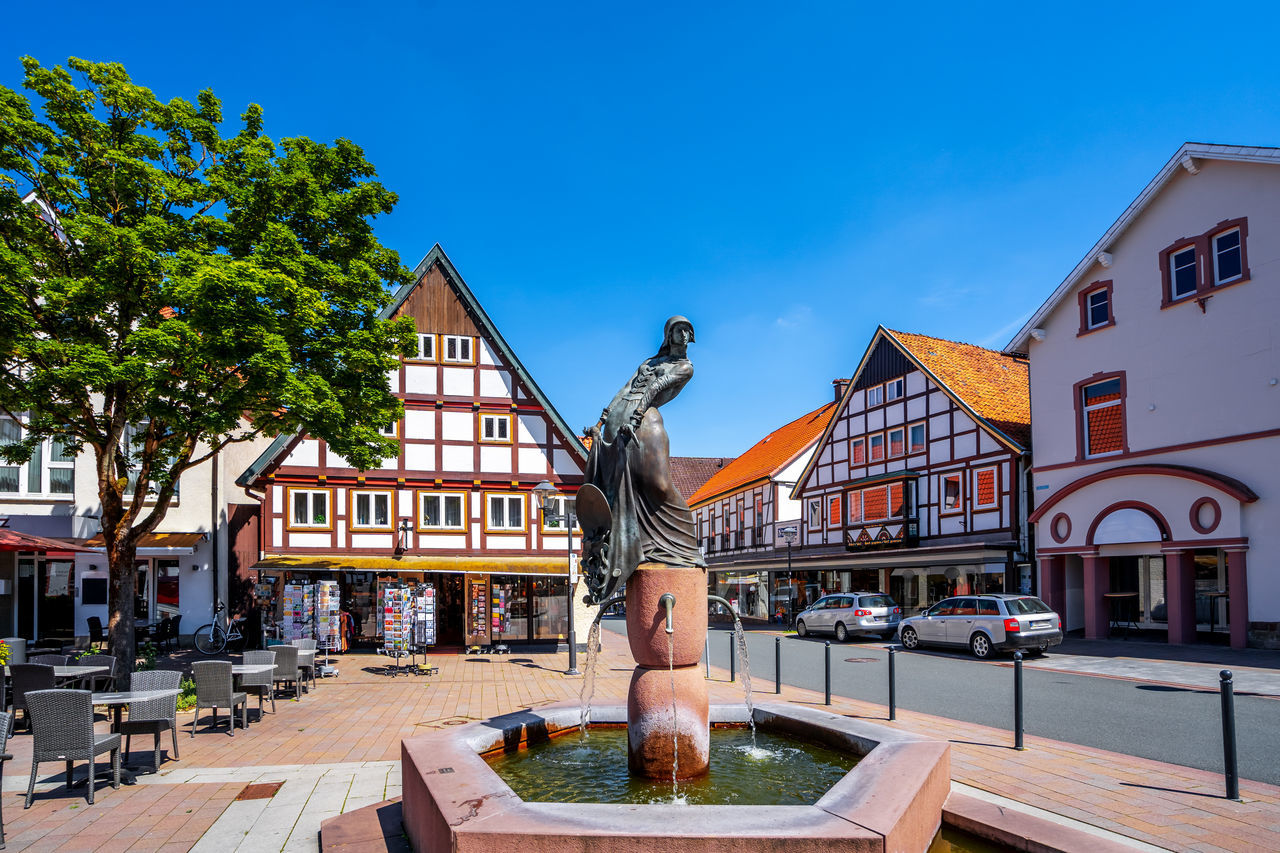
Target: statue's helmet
[676,322]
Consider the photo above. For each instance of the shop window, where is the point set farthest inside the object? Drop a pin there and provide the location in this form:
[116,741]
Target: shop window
[506,514]
[877,448]
[951,493]
[875,396]
[440,510]
[1102,417]
[858,451]
[984,488]
[897,442]
[833,511]
[495,429]
[855,507]
[309,508]
[426,348]
[893,390]
[456,349]
[549,600]
[875,503]
[167,588]
[371,510]
[916,438]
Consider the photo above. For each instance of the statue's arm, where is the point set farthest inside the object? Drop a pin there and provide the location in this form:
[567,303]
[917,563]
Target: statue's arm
[663,390]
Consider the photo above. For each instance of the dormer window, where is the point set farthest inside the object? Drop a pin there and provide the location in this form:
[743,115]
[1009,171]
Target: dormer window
[875,396]
[456,349]
[893,390]
[426,348]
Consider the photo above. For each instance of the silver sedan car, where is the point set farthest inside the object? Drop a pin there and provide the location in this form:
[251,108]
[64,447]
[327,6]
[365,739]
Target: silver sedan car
[848,613]
[985,623]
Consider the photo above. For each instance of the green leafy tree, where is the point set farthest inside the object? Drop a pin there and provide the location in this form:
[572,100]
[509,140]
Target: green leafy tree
[167,290]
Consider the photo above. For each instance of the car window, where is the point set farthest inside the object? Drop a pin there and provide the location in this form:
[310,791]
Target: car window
[966,607]
[820,604]
[877,601]
[1024,606]
[943,608]
[987,607]
[844,602]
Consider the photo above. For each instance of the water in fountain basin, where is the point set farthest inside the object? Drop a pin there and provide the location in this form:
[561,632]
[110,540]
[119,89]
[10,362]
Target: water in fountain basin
[589,680]
[741,639]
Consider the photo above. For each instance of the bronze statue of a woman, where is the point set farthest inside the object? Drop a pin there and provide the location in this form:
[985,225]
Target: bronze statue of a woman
[646,518]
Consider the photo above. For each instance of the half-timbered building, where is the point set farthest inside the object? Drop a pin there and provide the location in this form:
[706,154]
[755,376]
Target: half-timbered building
[741,510]
[455,507]
[917,486]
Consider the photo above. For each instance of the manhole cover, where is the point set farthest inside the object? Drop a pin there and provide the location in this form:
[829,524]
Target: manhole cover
[861,660]
[259,791]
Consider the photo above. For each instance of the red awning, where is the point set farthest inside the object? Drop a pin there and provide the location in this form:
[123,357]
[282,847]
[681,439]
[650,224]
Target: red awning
[13,540]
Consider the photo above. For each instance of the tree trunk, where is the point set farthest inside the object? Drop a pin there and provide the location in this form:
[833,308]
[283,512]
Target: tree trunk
[121,556]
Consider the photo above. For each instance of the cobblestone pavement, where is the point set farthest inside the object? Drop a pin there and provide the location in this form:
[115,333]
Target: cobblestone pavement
[337,748]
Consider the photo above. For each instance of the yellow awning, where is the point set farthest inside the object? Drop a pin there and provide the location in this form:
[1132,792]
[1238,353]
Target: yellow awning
[494,565]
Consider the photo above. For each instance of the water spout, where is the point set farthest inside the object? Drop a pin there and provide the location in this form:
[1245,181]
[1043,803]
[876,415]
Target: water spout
[668,601]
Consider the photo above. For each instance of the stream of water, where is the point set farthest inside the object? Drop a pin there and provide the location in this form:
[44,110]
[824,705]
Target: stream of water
[741,639]
[589,680]
[675,720]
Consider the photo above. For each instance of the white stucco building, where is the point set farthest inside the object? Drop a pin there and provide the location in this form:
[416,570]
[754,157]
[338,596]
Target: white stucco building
[1155,401]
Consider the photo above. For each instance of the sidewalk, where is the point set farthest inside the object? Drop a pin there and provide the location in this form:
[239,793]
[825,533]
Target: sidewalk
[337,749]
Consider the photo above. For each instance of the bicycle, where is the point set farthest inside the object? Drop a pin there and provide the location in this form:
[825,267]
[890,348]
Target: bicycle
[213,638]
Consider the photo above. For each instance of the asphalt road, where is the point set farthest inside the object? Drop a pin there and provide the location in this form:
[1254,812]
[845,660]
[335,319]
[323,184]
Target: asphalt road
[1173,724]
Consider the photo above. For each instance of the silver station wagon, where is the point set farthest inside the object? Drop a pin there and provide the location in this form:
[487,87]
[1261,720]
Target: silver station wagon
[846,613]
[985,623]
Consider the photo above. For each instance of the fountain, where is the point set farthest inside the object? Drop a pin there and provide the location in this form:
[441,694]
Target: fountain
[638,535]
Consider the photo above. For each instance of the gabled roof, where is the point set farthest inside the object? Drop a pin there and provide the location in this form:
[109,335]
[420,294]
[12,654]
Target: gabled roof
[992,387]
[1185,158]
[279,447]
[688,473]
[768,456]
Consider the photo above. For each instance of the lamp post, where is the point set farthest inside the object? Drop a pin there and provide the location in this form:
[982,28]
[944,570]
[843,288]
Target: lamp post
[544,492]
[789,534]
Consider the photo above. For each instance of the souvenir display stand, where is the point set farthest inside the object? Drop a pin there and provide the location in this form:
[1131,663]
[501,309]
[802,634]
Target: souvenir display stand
[397,624]
[424,625]
[328,624]
[299,612]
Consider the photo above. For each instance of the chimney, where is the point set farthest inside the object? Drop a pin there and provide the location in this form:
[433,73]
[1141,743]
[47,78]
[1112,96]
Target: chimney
[840,385]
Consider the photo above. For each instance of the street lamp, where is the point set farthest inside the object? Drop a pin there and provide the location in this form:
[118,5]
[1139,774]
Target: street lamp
[789,534]
[544,492]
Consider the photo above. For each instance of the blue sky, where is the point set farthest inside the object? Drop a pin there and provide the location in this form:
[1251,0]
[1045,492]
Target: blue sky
[787,175]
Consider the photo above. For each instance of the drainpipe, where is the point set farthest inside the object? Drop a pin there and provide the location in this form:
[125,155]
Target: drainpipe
[213,533]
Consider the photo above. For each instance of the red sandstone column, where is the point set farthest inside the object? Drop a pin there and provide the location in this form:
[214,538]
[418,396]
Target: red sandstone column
[1238,599]
[1096,581]
[1053,584]
[667,711]
[1180,595]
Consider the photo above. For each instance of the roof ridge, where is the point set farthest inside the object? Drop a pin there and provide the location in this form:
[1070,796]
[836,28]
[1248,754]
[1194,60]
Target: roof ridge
[1002,354]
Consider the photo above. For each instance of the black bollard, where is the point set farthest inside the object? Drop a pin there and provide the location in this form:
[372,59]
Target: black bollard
[1017,701]
[733,659]
[893,686]
[777,664]
[1229,735]
[828,672]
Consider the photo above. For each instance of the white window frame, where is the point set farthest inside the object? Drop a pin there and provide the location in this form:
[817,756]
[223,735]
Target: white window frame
[942,493]
[1086,409]
[458,341]
[815,514]
[834,499]
[442,498]
[1089,305]
[43,458]
[853,442]
[888,443]
[895,389]
[426,347]
[510,500]
[869,518]
[1239,250]
[848,506]
[371,496]
[1173,272]
[924,438]
[289,496]
[501,422]
[391,430]
[871,443]
[995,489]
[556,507]
[875,396]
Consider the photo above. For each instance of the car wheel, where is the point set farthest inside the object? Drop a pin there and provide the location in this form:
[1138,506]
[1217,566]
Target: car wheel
[980,645]
[909,638]
[801,630]
[842,633]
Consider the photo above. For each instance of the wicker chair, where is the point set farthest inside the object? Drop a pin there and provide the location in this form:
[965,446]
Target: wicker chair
[96,637]
[262,684]
[160,636]
[62,730]
[213,690]
[49,660]
[27,677]
[6,731]
[287,667]
[153,716]
[307,670]
[174,633]
[100,683]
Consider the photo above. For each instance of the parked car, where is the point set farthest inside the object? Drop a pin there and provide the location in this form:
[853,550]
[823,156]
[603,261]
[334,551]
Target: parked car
[848,613]
[985,623]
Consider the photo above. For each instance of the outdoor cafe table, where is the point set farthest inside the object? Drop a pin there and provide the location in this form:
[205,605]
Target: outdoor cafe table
[251,668]
[64,674]
[117,701]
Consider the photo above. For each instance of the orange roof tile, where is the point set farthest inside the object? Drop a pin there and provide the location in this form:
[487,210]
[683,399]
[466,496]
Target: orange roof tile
[994,385]
[688,473]
[773,452]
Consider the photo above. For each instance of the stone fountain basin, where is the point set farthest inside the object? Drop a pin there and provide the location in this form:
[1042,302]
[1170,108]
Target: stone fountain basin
[890,801]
